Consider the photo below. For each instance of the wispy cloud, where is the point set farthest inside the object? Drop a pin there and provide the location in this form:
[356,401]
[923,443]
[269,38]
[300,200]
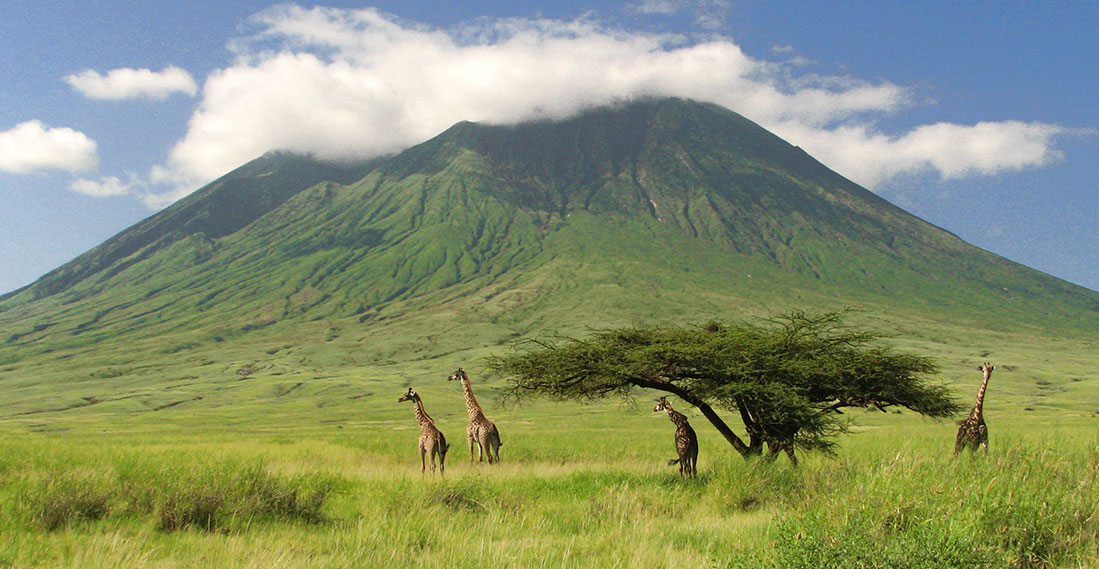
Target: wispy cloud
[665,7]
[707,14]
[104,187]
[128,83]
[33,146]
[358,83]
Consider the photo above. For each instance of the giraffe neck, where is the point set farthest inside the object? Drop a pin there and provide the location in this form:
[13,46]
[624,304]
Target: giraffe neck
[678,418]
[978,406]
[421,416]
[472,407]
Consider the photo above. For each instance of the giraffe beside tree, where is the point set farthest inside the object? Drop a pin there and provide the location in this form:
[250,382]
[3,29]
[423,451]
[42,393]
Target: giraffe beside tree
[686,443]
[432,442]
[972,432]
[481,432]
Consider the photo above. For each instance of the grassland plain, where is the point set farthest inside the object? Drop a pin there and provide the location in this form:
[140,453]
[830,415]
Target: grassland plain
[309,461]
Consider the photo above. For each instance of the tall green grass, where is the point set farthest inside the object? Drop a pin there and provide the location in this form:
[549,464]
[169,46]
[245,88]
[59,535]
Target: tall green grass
[1023,506]
[893,498]
[168,492]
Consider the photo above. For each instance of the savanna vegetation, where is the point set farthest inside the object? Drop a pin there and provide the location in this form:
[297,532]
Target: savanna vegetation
[897,499]
[289,466]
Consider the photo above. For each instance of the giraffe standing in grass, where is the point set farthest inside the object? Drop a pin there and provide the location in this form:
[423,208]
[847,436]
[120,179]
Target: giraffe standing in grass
[972,432]
[686,443]
[481,432]
[432,442]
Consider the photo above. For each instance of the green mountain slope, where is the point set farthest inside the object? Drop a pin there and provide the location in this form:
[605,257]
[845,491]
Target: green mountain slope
[219,209]
[663,210]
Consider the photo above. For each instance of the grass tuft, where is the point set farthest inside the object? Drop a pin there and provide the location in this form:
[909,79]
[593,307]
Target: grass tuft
[220,496]
[68,497]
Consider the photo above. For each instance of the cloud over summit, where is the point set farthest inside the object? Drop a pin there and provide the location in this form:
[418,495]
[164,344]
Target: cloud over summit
[357,83]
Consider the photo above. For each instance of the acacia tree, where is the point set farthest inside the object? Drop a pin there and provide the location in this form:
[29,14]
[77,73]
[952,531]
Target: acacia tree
[787,378]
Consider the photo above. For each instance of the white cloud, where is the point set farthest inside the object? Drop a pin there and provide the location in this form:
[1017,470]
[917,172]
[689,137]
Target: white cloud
[128,83]
[358,83]
[32,146]
[104,187]
[950,150]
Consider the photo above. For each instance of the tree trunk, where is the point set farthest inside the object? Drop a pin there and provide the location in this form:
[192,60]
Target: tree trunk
[738,444]
[755,441]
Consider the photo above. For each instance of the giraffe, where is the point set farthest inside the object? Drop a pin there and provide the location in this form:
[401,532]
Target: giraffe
[432,441]
[481,432]
[686,443]
[973,433]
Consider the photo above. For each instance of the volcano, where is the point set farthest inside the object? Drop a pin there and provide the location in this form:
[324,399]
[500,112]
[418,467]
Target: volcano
[652,210]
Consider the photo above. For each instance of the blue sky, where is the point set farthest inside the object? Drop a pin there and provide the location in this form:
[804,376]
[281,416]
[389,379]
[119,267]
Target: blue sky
[979,117]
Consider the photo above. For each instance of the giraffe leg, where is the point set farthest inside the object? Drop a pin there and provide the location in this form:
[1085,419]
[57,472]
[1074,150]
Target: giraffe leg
[423,459]
[486,447]
[471,441]
[790,454]
[432,450]
[962,441]
[494,443]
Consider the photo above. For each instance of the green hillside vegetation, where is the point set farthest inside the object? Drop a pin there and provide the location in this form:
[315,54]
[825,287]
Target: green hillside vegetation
[217,385]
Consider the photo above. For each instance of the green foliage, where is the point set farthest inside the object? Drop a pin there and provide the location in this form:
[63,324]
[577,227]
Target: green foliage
[787,380]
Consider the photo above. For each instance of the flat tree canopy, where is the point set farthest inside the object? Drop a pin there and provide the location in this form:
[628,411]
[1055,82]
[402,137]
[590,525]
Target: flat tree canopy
[787,377]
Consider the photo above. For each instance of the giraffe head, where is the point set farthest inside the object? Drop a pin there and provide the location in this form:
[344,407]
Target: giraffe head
[987,368]
[460,374]
[662,404]
[410,396]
